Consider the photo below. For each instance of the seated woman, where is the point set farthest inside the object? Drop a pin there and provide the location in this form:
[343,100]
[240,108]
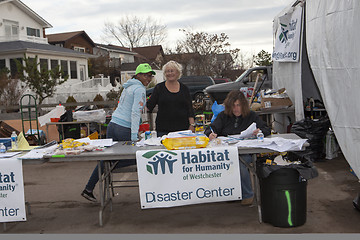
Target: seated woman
[233,120]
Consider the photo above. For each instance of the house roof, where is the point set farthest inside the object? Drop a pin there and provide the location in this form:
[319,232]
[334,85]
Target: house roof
[150,52]
[129,66]
[31,47]
[28,11]
[63,37]
[114,48]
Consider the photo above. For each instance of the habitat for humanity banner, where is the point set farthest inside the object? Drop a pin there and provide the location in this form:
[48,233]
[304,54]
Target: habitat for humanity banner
[170,178]
[287,38]
[12,207]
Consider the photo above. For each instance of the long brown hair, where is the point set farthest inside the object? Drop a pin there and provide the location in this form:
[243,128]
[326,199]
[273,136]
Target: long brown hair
[231,98]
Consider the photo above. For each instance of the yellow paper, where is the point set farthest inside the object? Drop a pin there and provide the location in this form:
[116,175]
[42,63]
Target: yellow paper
[94,135]
[23,144]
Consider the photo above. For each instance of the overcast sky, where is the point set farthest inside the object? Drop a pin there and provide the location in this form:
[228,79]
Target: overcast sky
[248,23]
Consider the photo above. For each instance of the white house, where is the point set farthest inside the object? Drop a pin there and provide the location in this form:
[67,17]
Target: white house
[22,32]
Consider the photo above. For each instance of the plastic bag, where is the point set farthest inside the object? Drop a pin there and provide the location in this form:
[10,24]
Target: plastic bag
[314,131]
[306,168]
[187,142]
[92,116]
[216,109]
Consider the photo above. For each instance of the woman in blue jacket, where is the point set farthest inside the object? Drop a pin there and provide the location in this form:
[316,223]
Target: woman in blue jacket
[125,120]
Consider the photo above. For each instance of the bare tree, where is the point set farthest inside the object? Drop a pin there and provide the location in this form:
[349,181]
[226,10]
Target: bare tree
[10,89]
[210,53]
[156,32]
[132,31]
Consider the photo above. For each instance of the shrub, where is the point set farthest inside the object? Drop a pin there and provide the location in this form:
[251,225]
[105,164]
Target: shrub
[114,95]
[70,99]
[98,98]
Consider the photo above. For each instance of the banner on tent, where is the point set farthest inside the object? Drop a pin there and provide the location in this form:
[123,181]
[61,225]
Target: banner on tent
[183,177]
[12,207]
[287,38]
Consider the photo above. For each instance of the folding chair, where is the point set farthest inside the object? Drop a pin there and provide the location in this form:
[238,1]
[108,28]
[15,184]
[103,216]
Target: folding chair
[121,183]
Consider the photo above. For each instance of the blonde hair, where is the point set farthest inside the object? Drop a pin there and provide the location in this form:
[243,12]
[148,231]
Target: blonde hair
[173,64]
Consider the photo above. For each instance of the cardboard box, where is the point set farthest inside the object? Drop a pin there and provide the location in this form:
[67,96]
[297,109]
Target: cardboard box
[275,103]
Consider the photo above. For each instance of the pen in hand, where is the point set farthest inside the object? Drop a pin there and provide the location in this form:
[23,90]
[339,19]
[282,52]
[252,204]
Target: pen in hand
[212,134]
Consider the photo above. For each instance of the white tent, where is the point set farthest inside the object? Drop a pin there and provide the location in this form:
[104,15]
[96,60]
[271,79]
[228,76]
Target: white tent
[330,54]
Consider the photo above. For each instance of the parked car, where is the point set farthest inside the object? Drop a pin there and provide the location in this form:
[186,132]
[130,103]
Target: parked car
[221,80]
[196,85]
[218,92]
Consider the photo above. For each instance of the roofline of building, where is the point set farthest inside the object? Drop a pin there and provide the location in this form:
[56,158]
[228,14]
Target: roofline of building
[29,11]
[46,52]
[53,50]
[78,33]
[115,50]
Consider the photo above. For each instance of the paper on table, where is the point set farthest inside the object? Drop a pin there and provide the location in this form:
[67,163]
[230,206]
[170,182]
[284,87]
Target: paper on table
[107,142]
[247,133]
[8,154]
[38,153]
[184,133]
[102,142]
[23,144]
[275,143]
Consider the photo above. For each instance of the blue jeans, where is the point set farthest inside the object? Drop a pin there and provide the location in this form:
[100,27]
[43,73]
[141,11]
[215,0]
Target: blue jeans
[246,186]
[117,133]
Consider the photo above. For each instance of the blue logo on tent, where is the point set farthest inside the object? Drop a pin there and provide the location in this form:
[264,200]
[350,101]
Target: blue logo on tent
[284,32]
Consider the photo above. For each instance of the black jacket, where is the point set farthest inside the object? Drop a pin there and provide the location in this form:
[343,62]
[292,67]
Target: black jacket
[224,125]
[174,109]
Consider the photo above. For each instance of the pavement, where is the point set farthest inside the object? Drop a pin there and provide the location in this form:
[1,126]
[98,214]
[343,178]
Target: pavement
[53,191]
[56,207]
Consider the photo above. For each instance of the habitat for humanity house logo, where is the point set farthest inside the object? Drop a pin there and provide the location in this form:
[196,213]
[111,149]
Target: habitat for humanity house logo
[160,159]
[283,35]
[288,30]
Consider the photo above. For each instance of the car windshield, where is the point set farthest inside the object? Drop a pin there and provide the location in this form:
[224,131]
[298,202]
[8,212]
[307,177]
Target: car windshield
[250,75]
[242,75]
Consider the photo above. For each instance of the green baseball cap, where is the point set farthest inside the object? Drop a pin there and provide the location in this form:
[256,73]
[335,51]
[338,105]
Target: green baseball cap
[144,68]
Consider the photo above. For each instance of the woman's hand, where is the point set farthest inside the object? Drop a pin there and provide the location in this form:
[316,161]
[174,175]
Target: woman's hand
[256,131]
[192,128]
[212,136]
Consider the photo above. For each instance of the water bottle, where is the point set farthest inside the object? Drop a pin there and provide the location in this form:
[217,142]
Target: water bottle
[14,144]
[2,148]
[331,147]
[153,134]
[260,136]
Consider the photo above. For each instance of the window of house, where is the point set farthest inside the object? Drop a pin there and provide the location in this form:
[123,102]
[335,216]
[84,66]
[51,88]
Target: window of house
[64,67]
[2,64]
[13,68]
[73,70]
[33,32]
[54,63]
[44,64]
[11,28]
[32,61]
[79,49]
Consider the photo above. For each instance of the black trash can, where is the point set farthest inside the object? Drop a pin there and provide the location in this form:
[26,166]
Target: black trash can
[283,198]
